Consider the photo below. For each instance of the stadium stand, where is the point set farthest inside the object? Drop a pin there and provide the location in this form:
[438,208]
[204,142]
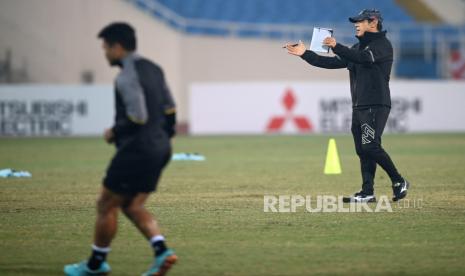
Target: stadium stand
[417,44]
[276,11]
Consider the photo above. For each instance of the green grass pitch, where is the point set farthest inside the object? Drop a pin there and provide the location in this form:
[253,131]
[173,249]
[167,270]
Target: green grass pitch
[212,212]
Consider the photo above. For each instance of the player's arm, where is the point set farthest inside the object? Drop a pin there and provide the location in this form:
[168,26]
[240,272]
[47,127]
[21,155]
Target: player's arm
[170,122]
[315,59]
[132,94]
[169,109]
[367,56]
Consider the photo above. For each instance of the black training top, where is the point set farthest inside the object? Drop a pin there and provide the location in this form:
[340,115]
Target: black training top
[145,110]
[369,63]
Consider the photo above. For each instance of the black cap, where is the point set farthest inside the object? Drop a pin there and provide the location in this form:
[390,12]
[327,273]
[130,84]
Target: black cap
[367,14]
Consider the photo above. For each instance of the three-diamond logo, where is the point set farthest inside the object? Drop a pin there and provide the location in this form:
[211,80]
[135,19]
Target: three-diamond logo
[289,102]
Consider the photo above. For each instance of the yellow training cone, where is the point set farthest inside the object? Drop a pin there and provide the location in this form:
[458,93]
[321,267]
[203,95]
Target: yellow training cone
[332,165]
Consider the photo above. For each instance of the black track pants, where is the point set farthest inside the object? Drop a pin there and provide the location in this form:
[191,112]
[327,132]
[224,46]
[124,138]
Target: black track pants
[367,127]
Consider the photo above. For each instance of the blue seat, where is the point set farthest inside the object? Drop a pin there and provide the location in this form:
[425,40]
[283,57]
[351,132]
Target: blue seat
[278,11]
[415,59]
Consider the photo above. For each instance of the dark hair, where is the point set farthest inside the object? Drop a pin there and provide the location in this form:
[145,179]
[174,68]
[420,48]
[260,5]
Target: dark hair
[379,26]
[121,33]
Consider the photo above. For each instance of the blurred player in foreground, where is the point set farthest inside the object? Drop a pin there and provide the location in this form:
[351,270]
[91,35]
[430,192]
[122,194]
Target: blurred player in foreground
[144,124]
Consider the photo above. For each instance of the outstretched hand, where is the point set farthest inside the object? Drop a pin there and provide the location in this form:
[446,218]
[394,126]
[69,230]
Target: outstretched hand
[296,50]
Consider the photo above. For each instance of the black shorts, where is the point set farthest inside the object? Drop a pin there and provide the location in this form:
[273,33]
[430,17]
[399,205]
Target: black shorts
[130,173]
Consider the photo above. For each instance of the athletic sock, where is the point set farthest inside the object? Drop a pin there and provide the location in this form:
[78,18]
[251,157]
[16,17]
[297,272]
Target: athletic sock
[99,254]
[158,244]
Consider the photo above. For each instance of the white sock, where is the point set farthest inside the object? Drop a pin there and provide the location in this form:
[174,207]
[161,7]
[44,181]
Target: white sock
[156,238]
[101,249]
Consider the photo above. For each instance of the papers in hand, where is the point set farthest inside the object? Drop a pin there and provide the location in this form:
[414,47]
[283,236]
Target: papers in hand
[319,34]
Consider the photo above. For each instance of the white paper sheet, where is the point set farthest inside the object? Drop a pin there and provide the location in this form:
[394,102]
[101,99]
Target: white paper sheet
[319,34]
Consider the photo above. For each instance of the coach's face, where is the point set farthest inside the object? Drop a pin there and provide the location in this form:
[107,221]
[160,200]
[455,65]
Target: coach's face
[113,53]
[361,27]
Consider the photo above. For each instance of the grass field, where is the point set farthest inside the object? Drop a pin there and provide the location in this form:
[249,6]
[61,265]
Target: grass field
[212,212]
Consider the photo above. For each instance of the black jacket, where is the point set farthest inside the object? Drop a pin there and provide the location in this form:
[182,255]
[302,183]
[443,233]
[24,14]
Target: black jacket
[145,110]
[369,63]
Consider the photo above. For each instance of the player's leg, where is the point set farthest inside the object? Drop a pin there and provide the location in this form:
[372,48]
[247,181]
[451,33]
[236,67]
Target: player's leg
[108,205]
[368,170]
[373,122]
[367,165]
[134,209]
[106,224]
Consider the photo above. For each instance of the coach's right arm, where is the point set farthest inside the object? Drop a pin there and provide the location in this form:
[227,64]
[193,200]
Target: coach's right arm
[315,59]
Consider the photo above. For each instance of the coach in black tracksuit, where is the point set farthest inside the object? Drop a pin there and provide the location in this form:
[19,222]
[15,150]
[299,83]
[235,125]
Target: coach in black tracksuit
[369,63]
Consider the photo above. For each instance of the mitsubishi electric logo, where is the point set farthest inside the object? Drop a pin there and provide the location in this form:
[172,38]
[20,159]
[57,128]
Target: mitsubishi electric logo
[40,117]
[289,101]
